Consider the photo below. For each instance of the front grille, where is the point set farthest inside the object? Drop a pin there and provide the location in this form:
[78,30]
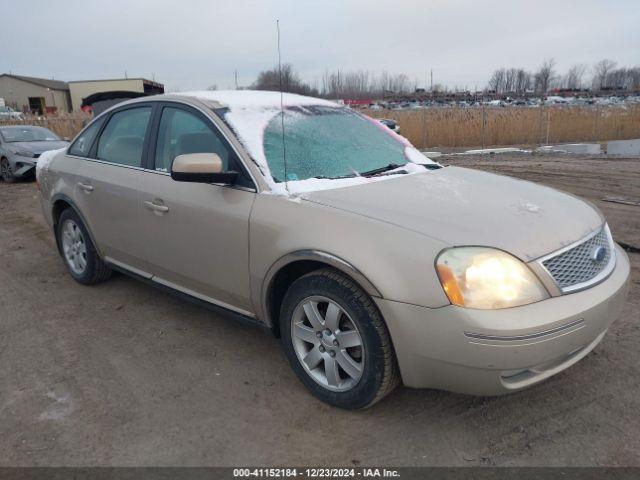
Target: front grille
[578,266]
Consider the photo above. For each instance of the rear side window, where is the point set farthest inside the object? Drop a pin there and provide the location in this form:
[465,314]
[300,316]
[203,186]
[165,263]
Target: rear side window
[82,145]
[122,140]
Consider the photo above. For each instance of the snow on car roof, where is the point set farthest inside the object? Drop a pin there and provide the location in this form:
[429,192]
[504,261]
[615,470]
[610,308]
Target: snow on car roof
[256,99]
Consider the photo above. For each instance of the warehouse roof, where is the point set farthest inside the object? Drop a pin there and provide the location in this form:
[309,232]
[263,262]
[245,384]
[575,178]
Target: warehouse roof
[43,82]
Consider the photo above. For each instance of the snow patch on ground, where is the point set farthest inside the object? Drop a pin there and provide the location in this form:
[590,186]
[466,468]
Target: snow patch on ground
[60,409]
[580,148]
[486,151]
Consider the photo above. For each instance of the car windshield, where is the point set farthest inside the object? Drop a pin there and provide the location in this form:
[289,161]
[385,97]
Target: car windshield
[4,109]
[328,142]
[27,134]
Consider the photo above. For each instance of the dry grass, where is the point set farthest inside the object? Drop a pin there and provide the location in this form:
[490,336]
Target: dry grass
[462,127]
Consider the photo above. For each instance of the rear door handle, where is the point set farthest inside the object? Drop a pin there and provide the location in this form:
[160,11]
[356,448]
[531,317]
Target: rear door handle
[156,207]
[85,187]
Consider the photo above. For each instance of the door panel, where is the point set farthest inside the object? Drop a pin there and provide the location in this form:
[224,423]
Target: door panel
[198,239]
[108,184]
[107,196]
[197,235]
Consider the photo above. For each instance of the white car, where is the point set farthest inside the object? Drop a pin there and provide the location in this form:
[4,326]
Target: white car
[8,113]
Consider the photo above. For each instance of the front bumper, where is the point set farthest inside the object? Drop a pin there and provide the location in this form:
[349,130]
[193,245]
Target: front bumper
[492,352]
[22,165]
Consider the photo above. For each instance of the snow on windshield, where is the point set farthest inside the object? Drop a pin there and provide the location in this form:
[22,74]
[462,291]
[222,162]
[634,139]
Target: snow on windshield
[250,113]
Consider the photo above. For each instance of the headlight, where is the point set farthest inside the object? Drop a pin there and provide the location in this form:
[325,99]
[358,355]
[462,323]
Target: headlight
[22,153]
[486,278]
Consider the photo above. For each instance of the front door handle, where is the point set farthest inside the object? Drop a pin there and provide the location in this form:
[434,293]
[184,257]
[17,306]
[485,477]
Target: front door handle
[85,187]
[156,207]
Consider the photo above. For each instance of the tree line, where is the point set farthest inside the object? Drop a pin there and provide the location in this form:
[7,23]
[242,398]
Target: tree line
[336,84]
[603,75]
[364,84]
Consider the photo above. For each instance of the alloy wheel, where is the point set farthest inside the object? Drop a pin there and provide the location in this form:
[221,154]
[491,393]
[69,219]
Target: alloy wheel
[5,169]
[327,343]
[74,247]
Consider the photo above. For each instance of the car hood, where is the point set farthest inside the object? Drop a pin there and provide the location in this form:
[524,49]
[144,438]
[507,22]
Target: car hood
[39,147]
[461,206]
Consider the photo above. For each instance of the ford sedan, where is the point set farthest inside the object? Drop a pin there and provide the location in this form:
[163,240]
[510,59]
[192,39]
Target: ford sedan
[374,265]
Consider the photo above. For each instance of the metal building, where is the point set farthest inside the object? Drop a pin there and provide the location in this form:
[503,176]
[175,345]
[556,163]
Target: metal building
[35,95]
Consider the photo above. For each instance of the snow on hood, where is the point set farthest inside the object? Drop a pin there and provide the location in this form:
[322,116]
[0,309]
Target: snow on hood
[462,206]
[250,112]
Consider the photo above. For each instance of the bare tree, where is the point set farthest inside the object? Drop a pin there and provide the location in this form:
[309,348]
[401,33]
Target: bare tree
[290,81]
[512,80]
[523,81]
[634,78]
[600,72]
[497,80]
[545,76]
[573,78]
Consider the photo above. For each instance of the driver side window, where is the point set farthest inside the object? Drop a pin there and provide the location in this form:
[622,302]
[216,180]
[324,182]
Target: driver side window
[181,132]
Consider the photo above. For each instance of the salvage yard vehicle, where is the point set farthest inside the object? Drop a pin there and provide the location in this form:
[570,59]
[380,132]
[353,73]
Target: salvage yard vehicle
[8,113]
[373,264]
[392,124]
[20,147]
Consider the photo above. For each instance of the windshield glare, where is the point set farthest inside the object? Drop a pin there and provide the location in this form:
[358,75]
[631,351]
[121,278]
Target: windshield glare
[328,142]
[28,134]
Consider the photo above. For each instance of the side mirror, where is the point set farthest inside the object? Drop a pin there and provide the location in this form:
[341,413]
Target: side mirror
[201,168]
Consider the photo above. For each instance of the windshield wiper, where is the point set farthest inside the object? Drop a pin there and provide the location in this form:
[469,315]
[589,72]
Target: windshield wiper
[376,171]
[324,177]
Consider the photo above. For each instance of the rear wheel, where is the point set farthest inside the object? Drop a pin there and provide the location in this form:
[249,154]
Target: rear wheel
[6,171]
[79,254]
[336,340]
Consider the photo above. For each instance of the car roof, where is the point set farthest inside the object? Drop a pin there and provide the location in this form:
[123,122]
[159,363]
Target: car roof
[241,99]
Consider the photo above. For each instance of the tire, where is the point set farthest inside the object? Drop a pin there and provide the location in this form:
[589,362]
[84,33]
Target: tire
[318,352]
[6,172]
[78,252]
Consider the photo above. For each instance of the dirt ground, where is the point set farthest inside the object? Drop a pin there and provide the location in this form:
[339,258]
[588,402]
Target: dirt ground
[123,374]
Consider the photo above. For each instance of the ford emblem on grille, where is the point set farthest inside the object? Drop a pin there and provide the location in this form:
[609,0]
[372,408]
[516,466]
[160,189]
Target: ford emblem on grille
[598,254]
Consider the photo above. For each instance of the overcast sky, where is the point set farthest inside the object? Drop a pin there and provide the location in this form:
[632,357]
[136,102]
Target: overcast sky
[191,44]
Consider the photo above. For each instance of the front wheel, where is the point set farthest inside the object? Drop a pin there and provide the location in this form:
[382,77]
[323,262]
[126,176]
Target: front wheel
[6,171]
[337,341]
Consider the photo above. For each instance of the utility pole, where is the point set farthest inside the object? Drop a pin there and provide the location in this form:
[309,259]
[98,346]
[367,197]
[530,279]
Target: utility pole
[235,72]
[432,80]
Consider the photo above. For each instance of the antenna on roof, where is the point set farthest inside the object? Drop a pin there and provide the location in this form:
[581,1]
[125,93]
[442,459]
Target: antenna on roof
[284,149]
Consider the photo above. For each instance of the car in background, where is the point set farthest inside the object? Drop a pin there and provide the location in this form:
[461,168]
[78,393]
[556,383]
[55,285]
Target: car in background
[8,113]
[20,148]
[392,124]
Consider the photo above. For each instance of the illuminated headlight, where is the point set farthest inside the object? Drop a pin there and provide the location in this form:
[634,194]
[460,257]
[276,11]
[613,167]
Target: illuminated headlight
[486,278]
